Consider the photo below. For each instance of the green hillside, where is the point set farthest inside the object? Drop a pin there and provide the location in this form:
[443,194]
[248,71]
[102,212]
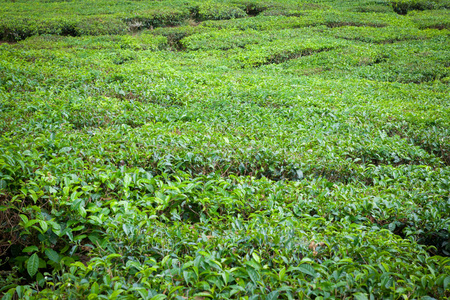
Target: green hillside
[243,149]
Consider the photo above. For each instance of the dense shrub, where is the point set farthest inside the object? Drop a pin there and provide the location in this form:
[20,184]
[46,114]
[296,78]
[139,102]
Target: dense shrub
[157,18]
[402,7]
[17,29]
[437,19]
[216,11]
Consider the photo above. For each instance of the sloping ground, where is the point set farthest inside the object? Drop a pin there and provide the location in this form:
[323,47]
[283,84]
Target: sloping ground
[224,150]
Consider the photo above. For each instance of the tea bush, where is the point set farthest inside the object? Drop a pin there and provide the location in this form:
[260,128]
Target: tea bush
[404,6]
[214,11]
[431,19]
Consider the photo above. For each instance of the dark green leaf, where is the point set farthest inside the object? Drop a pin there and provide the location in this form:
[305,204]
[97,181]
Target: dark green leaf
[33,264]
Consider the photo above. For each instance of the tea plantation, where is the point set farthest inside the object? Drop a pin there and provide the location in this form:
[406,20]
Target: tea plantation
[240,149]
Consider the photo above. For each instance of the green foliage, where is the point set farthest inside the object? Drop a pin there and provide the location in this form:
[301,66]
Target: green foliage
[390,34]
[17,28]
[157,18]
[218,11]
[438,19]
[404,6]
[224,150]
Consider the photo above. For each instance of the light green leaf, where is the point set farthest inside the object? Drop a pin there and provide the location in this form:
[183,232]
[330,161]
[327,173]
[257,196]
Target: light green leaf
[446,282]
[44,226]
[281,274]
[30,223]
[24,218]
[30,249]
[95,288]
[204,294]
[9,294]
[256,257]
[307,269]
[127,180]
[112,256]
[159,297]
[272,295]
[82,211]
[116,293]
[254,276]
[65,149]
[360,296]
